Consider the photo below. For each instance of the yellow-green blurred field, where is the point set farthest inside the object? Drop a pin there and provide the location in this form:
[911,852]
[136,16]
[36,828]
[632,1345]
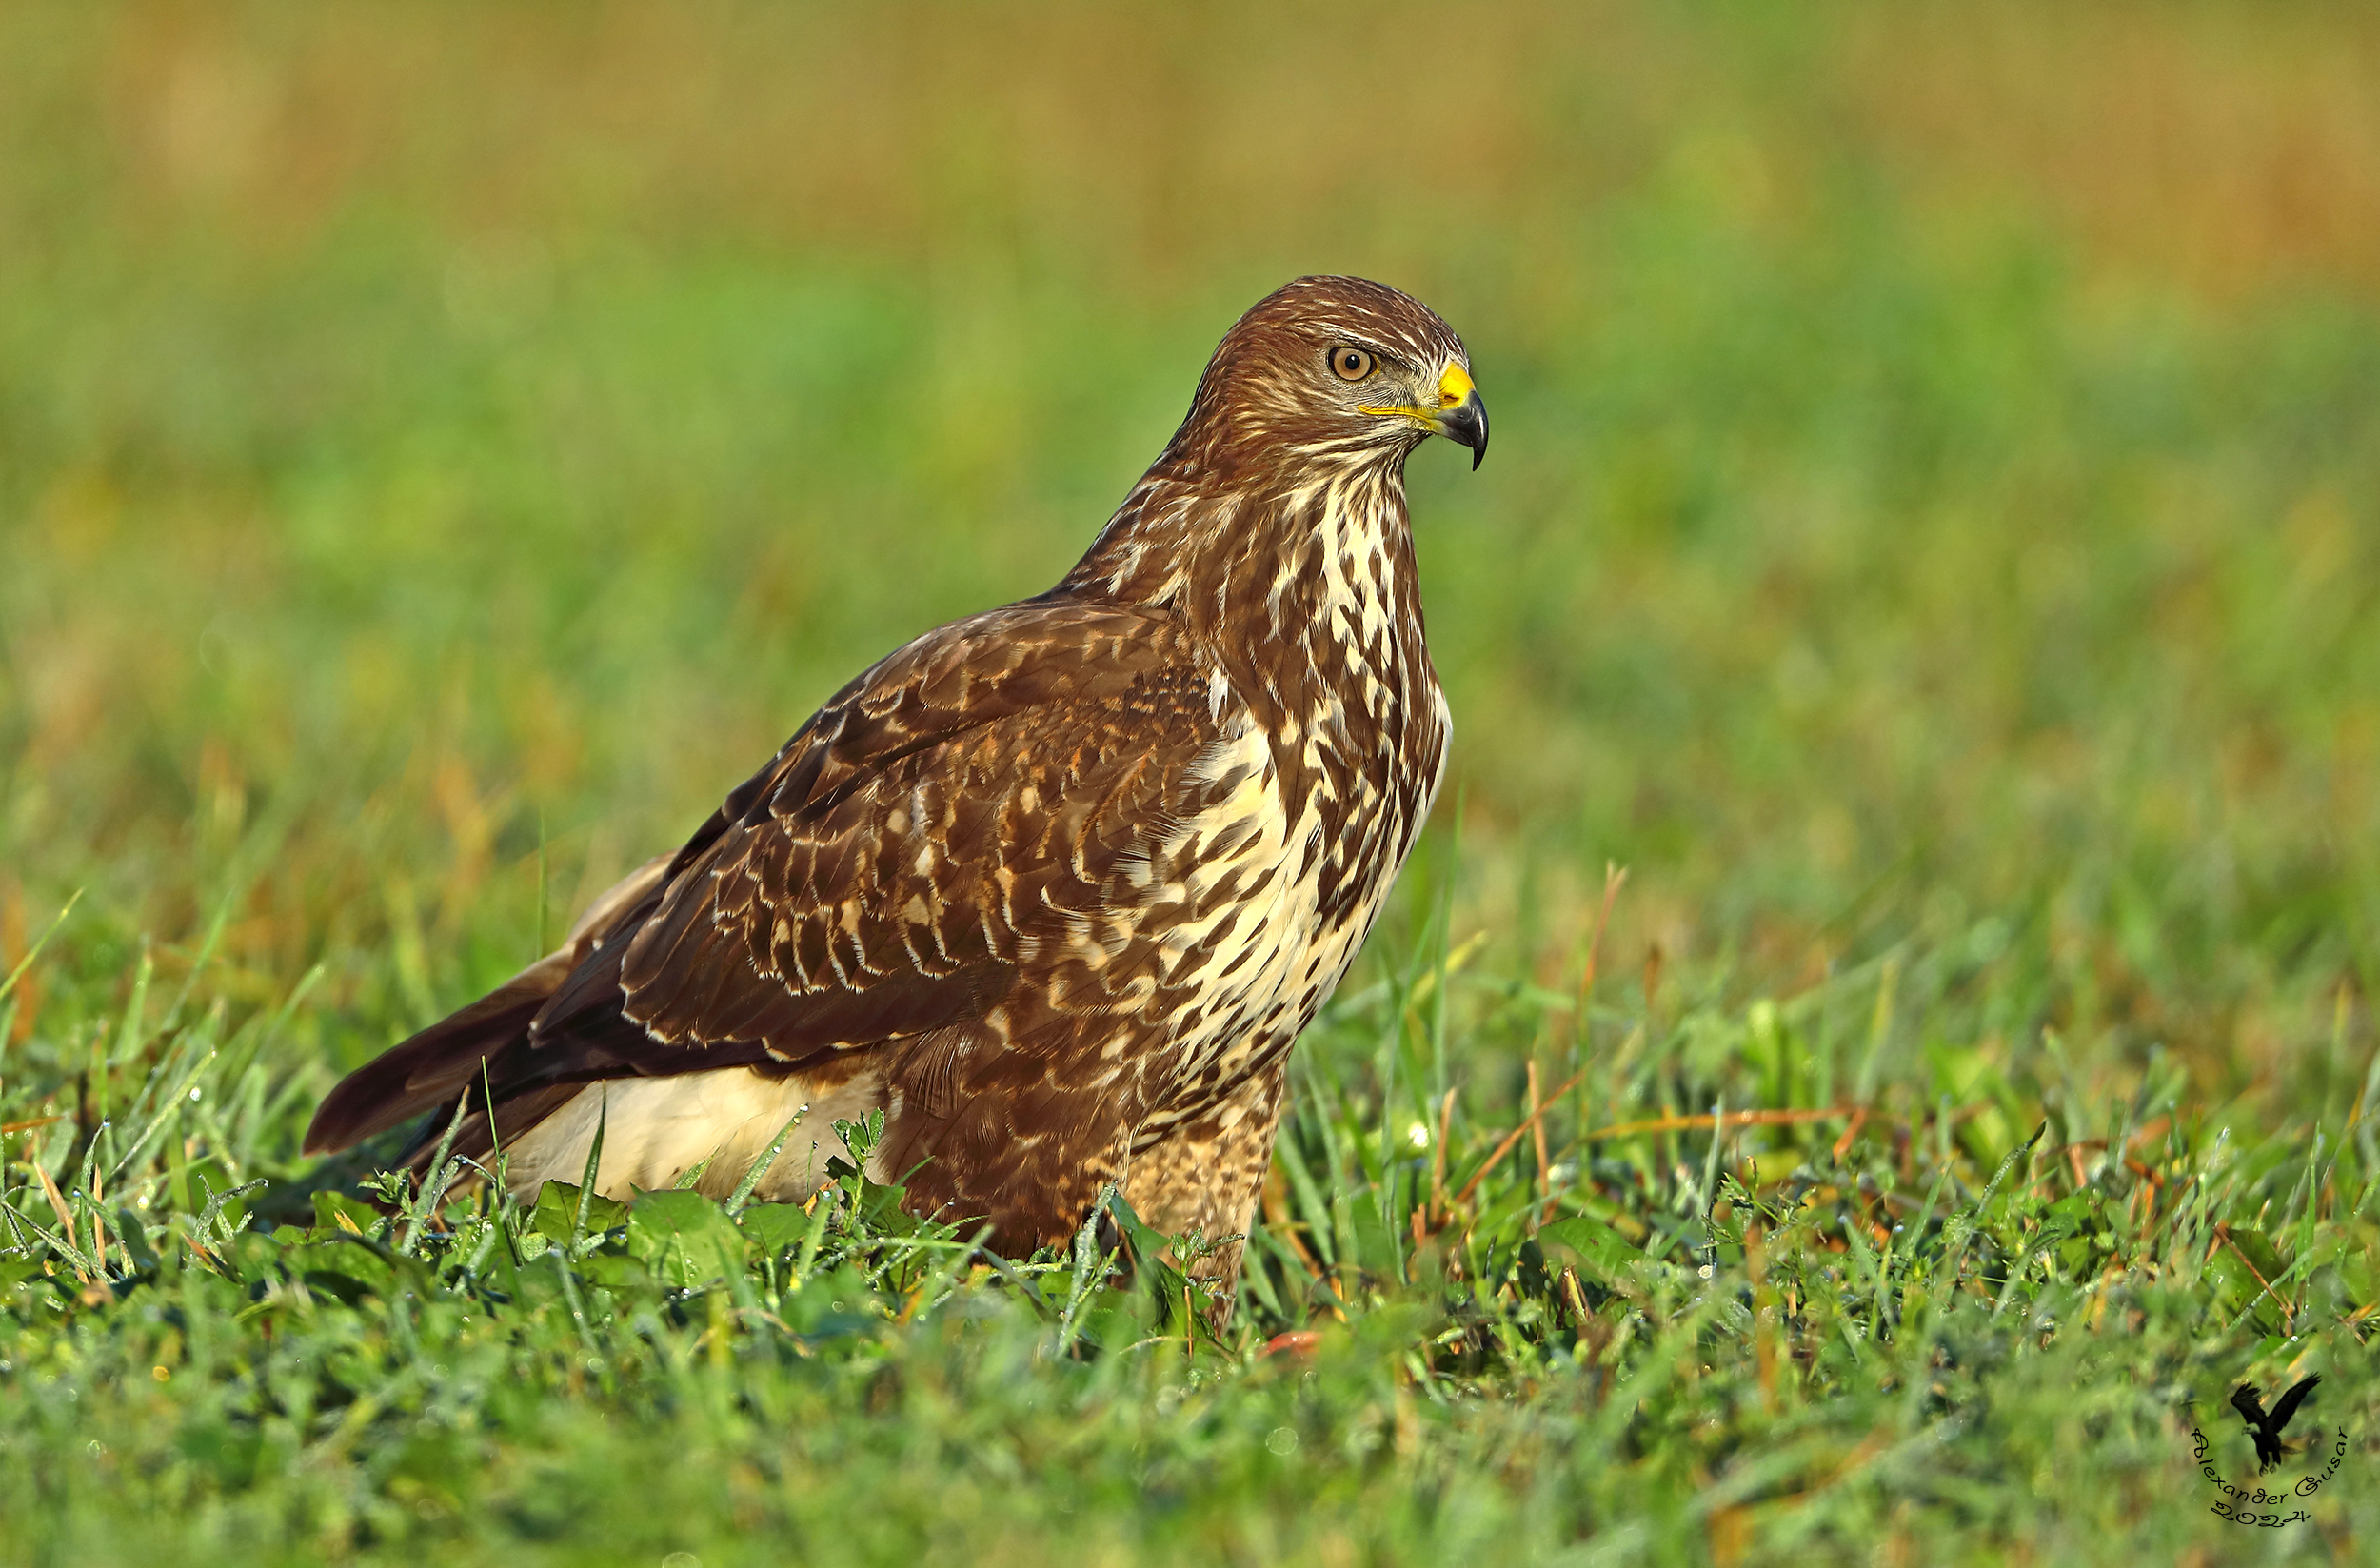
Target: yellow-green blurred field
[1932,542]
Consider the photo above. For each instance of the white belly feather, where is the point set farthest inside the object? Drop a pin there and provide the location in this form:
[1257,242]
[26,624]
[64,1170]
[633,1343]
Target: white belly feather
[657,1129]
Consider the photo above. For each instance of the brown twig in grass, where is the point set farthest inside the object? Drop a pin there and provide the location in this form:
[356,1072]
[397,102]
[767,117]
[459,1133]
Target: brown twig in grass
[2146,1130]
[1614,876]
[1437,1205]
[2073,1152]
[66,1214]
[2223,1239]
[1545,1178]
[8,1127]
[1545,1166]
[1575,1302]
[1462,1198]
[1706,1123]
[2164,1218]
[99,1223]
[1842,1144]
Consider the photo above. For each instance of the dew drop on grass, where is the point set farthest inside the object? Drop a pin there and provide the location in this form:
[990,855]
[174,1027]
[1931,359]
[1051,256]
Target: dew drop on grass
[1281,1440]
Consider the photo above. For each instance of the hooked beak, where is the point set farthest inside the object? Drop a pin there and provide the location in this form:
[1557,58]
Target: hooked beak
[1459,415]
[1465,420]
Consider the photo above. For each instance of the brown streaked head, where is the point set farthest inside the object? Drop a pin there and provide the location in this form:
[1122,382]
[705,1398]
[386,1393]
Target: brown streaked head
[1332,367]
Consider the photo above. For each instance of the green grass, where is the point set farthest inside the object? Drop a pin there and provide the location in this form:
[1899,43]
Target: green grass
[1934,549]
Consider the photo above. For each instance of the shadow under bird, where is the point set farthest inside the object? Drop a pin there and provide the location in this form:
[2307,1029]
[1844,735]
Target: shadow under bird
[2265,1429]
[1054,887]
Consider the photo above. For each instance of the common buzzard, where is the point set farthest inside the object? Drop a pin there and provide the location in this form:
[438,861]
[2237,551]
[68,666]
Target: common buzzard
[1053,888]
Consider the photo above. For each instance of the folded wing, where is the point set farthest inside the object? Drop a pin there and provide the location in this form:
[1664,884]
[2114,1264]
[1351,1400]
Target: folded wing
[982,793]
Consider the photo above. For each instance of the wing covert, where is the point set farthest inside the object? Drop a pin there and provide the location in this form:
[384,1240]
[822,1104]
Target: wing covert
[983,790]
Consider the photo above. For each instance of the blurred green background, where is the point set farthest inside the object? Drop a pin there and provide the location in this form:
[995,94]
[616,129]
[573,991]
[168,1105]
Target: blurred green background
[1937,489]
[1932,541]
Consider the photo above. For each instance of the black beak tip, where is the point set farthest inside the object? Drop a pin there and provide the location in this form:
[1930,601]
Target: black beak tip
[1470,429]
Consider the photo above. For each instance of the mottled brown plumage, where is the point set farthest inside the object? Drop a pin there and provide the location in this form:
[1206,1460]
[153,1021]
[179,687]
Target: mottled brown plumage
[1055,886]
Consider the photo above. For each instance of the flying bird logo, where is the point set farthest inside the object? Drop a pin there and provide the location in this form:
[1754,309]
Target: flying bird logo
[2267,1429]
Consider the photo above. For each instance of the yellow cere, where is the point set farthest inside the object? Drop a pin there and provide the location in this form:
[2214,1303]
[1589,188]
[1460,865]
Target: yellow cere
[1453,387]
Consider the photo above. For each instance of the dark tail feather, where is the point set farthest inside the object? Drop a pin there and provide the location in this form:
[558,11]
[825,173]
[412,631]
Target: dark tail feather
[429,1069]
[440,1063]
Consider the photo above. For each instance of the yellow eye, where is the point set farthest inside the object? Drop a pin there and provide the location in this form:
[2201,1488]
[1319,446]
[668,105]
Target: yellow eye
[1351,363]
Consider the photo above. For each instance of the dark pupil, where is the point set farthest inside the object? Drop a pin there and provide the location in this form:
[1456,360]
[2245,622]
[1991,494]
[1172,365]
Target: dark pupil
[1349,363]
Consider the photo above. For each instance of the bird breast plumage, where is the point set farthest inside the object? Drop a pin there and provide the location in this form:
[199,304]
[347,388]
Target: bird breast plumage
[1287,879]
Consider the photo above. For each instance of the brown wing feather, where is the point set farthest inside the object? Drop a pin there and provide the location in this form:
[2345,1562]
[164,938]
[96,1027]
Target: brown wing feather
[874,882]
[862,894]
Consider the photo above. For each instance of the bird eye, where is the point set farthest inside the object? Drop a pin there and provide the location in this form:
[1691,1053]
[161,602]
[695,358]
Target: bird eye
[1351,363]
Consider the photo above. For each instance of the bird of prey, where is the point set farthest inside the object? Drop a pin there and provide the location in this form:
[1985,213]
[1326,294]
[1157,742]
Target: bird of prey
[1053,888]
[2267,1429]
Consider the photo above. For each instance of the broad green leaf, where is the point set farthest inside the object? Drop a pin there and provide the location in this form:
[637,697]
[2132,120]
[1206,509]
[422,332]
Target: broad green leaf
[683,1237]
[1603,1250]
[557,1206]
[773,1228]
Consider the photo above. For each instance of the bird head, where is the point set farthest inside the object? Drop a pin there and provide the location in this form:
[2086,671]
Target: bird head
[1344,369]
